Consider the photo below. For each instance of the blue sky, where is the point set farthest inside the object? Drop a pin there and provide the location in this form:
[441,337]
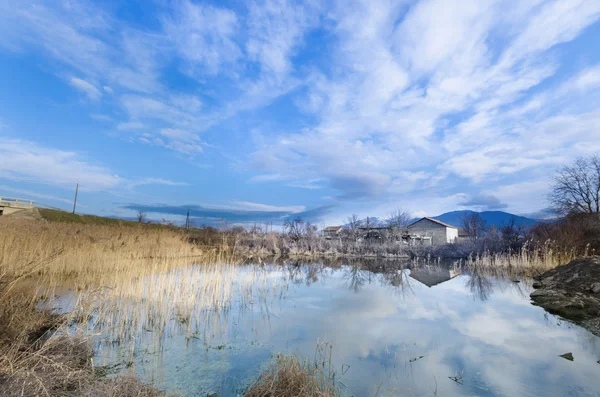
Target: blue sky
[255,110]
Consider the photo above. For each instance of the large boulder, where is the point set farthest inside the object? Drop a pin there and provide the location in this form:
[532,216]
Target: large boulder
[572,291]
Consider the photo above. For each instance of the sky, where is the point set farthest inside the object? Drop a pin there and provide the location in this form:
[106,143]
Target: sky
[255,111]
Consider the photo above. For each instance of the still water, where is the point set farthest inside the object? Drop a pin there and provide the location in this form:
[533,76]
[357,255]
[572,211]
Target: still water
[394,331]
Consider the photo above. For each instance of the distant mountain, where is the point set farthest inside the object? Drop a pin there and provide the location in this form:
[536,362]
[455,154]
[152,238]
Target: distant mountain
[496,218]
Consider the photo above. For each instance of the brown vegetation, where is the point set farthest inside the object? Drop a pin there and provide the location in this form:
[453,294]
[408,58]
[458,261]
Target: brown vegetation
[37,358]
[291,376]
[86,254]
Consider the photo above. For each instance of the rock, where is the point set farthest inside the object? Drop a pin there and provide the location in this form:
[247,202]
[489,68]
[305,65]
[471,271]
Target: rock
[538,292]
[566,291]
[568,356]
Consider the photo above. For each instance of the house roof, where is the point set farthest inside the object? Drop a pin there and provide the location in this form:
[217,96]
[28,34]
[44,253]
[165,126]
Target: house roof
[332,228]
[434,221]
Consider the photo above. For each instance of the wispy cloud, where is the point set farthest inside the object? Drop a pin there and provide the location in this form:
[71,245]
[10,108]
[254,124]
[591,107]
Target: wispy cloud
[27,161]
[366,101]
[29,193]
[156,181]
[433,86]
[85,87]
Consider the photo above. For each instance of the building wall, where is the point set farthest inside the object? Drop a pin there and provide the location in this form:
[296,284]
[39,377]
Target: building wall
[9,210]
[452,235]
[440,234]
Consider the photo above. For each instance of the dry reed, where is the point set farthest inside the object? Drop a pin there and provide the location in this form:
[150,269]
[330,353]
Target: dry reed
[524,262]
[291,376]
[38,358]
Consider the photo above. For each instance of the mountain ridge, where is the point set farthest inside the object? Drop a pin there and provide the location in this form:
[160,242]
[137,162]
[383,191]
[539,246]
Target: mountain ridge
[495,218]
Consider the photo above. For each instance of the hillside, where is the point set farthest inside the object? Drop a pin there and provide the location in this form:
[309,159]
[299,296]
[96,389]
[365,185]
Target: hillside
[496,218]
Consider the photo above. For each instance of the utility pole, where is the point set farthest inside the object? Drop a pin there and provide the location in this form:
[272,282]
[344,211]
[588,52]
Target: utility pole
[75,201]
[187,221]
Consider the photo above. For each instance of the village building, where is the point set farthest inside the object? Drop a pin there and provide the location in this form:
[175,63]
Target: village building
[433,275]
[374,233]
[332,232]
[463,236]
[429,231]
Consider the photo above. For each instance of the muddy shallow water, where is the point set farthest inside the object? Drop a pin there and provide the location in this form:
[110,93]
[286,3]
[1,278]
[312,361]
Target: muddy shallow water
[394,332]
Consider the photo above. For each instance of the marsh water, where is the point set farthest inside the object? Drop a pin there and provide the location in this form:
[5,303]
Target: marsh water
[393,330]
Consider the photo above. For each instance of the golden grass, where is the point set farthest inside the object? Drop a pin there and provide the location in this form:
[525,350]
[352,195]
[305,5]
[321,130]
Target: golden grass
[89,254]
[291,376]
[38,358]
[524,262]
[123,281]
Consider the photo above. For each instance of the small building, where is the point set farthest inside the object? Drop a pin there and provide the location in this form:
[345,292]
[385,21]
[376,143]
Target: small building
[433,275]
[463,236]
[374,233]
[429,231]
[332,232]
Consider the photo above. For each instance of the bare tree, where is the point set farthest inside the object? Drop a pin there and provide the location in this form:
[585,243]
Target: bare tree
[353,224]
[397,221]
[576,188]
[141,216]
[473,225]
[293,228]
[310,231]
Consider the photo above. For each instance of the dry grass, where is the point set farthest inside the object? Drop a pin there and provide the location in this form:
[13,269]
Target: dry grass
[39,353]
[291,376]
[525,262]
[124,283]
[37,358]
[88,254]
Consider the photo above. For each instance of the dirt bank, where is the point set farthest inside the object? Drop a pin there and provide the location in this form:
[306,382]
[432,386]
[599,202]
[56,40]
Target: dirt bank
[572,291]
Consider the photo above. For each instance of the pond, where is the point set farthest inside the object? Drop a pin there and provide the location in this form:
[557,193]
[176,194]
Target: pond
[393,330]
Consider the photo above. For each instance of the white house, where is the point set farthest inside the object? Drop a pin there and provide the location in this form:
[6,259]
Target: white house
[429,231]
[332,231]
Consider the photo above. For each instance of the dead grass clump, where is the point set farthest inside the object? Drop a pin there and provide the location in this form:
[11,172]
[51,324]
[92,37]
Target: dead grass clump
[289,376]
[38,359]
[123,386]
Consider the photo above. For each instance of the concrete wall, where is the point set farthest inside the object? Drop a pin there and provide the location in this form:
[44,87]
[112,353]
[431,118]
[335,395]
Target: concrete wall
[452,235]
[440,234]
[9,210]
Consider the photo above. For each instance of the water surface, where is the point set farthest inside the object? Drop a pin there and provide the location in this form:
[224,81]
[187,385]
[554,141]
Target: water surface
[393,332]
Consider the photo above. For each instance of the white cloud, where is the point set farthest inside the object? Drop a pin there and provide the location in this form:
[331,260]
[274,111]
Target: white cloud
[156,181]
[22,160]
[181,141]
[131,125]
[276,27]
[28,193]
[388,106]
[204,36]
[250,206]
[453,92]
[87,88]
